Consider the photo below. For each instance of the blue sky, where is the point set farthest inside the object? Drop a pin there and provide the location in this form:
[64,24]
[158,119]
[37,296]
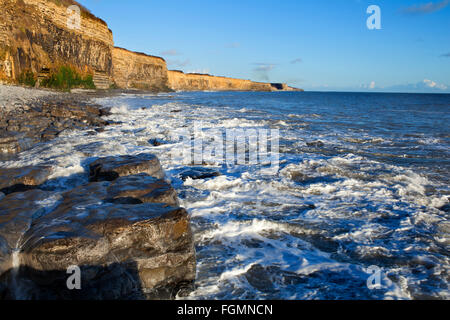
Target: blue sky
[315,45]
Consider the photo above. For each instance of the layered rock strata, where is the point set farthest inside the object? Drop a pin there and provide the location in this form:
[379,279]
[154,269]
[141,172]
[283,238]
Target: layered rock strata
[36,35]
[200,82]
[127,235]
[139,71]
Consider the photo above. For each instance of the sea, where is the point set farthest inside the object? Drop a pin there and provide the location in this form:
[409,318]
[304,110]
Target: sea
[350,202]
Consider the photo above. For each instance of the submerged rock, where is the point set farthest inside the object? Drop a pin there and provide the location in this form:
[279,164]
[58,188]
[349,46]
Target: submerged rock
[21,179]
[111,168]
[299,176]
[156,142]
[260,278]
[197,173]
[315,144]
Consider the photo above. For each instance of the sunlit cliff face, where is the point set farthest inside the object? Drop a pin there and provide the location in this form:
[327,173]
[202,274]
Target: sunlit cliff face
[40,38]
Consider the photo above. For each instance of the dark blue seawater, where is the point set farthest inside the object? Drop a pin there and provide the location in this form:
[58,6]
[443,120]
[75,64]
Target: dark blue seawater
[359,208]
[415,127]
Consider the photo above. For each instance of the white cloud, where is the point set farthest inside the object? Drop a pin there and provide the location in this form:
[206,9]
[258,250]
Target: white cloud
[371,85]
[432,84]
[424,86]
[264,66]
[427,7]
[262,70]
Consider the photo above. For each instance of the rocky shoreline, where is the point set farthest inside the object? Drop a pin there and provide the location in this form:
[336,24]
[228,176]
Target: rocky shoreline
[31,116]
[124,228]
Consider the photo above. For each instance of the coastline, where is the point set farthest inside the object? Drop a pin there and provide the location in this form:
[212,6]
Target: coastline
[30,116]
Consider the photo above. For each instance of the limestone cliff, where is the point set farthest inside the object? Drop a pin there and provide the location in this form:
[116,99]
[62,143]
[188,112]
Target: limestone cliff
[138,70]
[195,82]
[34,35]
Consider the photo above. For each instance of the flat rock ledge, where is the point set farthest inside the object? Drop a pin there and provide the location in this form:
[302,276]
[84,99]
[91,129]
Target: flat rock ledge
[42,119]
[124,231]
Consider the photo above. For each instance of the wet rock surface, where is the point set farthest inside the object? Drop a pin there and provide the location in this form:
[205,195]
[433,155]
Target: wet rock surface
[142,189]
[21,179]
[111,168]
[197,173]
[16,215]
[156,142]
[128,235]
[43,119]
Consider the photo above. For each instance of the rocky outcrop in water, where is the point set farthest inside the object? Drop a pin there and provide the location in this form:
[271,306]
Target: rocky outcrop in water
[197,173]
[127,235]
[110,168]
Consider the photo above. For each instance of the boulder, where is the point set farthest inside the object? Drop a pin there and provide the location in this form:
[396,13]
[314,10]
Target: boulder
[315,144]
[128,237]
[124,249]
[111,168]
[144,249]
[22,179]
[10,141]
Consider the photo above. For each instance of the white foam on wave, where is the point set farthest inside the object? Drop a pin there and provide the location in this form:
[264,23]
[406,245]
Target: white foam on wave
[121,109]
